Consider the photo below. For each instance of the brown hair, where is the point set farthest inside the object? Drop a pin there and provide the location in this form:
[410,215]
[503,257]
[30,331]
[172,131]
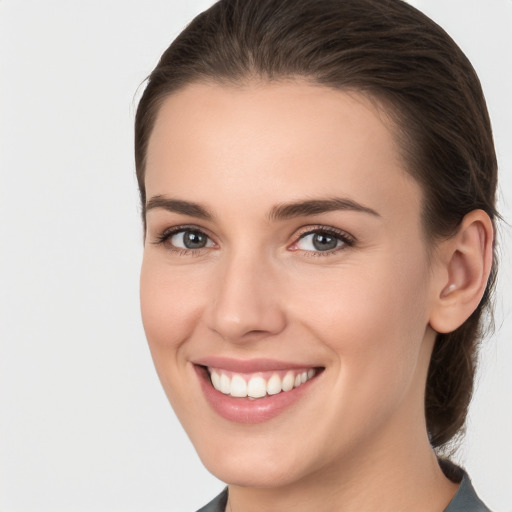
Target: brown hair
[396,55]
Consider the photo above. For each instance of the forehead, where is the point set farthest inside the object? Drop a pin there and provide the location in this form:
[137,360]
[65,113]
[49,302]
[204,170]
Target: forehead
[280,141]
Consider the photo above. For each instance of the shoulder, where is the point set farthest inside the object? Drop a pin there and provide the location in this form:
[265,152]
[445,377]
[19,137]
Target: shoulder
[218,504]
[466,498]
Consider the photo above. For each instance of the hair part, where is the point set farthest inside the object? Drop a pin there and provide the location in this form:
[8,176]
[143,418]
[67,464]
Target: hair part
[390,52]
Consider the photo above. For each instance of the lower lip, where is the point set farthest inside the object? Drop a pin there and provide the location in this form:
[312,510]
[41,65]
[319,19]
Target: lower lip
[248,410]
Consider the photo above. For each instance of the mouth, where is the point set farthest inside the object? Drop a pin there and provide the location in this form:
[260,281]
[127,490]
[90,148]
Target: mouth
[254,391]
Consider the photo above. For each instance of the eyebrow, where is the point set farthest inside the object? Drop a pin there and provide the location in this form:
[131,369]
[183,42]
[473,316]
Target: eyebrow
[179,206]
[279,212]
[316,207]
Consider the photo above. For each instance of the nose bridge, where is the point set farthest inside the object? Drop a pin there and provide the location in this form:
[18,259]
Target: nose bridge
[246,300]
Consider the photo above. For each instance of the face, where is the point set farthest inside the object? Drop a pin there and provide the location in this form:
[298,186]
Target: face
[285,285]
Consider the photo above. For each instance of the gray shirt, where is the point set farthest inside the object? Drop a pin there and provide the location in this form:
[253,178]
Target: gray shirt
[465,500]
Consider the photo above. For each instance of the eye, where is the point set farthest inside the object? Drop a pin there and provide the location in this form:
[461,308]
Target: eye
[188,239]
[185,239]
[323,240]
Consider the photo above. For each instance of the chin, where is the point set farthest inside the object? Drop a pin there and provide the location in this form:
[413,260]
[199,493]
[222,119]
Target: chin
[257,462]
[271,474]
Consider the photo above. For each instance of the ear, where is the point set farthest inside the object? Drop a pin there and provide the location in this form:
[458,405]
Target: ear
[462,272]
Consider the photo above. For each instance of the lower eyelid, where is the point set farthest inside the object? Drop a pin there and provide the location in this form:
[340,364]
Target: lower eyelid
[188,252]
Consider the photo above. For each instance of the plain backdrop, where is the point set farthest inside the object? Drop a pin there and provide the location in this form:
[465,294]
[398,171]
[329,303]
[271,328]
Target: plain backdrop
[84,424]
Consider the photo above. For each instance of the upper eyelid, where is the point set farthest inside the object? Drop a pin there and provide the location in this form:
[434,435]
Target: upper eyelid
[327,229]
[172,230]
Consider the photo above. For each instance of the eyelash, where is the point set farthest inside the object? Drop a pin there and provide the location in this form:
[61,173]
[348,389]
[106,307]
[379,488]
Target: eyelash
[167,234]
[344,237]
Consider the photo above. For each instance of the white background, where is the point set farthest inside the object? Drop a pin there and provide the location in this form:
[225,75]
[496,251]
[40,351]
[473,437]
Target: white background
[84,425]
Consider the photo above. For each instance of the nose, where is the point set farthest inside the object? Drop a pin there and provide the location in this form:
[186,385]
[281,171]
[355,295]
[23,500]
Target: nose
[246,301]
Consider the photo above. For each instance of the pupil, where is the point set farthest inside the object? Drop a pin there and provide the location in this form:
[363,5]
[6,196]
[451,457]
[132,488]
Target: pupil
[193,240]
[323,242]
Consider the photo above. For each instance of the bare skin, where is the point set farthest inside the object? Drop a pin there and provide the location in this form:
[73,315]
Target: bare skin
[363,310]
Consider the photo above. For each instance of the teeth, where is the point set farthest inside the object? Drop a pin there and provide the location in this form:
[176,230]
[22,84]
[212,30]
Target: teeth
[273,385]
[225,384]
[288,382]
[238,386]
[257,386]
[215,379]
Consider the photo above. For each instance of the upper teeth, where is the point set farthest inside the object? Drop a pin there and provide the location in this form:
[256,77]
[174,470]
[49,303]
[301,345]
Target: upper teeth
[258,385]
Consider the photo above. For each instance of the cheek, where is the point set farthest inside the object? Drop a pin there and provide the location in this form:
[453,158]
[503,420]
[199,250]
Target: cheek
[368,305]
[373,318]
[171,304]
[171,309]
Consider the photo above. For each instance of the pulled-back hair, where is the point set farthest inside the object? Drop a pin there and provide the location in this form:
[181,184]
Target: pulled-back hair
[391,52]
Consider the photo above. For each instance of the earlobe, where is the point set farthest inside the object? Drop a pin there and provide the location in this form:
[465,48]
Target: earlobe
[466,265]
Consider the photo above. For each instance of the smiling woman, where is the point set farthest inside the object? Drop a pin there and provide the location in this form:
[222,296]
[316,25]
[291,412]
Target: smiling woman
[318,184]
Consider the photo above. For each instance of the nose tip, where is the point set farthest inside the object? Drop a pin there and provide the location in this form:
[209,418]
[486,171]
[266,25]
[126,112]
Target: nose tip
[246,306]
[240,328]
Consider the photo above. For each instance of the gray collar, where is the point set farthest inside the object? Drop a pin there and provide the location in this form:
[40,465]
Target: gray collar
[466,499]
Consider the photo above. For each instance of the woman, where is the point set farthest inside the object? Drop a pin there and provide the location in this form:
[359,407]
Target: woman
[318,193]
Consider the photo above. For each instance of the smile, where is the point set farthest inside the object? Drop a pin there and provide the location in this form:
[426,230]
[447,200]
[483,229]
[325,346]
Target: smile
[260,384]
[254,391]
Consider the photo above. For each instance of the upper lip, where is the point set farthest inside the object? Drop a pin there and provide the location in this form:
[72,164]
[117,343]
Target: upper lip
[249,365]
